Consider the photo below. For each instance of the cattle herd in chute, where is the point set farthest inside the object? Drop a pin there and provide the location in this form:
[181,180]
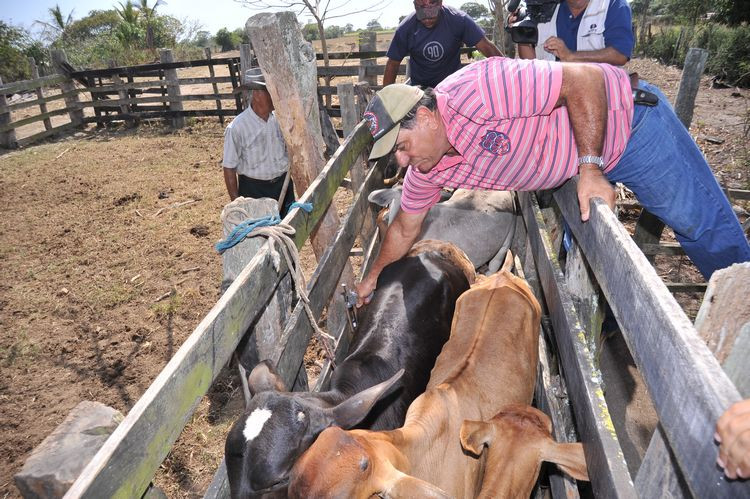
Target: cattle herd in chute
[428,403]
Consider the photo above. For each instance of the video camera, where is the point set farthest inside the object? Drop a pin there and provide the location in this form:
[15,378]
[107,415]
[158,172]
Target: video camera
[528,14]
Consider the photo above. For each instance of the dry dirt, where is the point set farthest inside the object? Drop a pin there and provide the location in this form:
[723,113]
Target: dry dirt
[106,270]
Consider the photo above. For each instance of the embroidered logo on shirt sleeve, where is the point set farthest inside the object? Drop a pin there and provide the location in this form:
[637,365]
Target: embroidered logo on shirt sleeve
[496,142]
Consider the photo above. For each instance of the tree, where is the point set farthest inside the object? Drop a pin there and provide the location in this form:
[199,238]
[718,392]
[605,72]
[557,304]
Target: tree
[334,32]
[475,10]
[13,63]
[374,25]
[57,25]
[148,14]
[348,28]
[128,30]
[227,40]
[732,13]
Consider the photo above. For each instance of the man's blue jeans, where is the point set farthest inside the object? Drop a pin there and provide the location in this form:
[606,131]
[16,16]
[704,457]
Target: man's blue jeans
[670,177]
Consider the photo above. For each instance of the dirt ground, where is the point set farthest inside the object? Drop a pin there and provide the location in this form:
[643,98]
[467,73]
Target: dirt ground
[107,258]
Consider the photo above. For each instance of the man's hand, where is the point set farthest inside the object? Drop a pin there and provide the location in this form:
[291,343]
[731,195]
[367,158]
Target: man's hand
[593,184]
[365,289]
[733,434]
[557,47]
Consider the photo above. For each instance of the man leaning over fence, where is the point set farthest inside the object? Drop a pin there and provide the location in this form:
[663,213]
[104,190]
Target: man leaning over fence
[512,124]
[255,157]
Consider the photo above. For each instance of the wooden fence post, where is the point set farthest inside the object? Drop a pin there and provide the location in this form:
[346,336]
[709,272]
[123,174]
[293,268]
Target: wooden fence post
[648,229]
[215,87]
[122,94]
[367,43]
[246,62]
[59,59]
[39,93]
[723,322]
[7,139]
[173,88]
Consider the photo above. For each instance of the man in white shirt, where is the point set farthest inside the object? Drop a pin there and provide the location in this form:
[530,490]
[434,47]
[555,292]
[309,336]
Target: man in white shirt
[255,157]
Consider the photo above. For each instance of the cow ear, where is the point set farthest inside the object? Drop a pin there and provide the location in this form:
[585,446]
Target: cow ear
[382,197]
[408,486]
[569,457]
[475,435]
[354,409]
[263,378]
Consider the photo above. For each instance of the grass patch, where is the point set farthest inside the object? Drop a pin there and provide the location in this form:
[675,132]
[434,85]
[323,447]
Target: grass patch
[21,352]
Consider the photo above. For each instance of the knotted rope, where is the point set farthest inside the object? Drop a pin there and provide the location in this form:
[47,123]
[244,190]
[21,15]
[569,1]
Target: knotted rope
[277,233]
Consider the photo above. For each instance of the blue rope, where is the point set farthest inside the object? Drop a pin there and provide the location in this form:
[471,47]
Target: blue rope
[241,230]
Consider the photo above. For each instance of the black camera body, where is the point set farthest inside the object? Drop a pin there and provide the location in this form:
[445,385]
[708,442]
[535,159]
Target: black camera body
[528,14]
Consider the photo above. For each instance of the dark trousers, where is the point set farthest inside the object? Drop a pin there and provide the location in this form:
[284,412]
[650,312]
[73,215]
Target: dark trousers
[254,188]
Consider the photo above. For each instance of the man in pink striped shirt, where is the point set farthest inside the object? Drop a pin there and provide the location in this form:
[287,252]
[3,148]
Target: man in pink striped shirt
[511,124]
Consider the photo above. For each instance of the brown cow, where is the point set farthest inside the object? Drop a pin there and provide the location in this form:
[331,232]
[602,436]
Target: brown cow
[518,440]
[489,361]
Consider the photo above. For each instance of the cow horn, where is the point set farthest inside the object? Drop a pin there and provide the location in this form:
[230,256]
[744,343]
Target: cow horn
[354,409]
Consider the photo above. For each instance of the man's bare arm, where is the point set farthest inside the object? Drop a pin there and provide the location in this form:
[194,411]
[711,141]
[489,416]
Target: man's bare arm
[584,96]
[487,48]
[390,72]
[608,55]
[399,238]
[230,178]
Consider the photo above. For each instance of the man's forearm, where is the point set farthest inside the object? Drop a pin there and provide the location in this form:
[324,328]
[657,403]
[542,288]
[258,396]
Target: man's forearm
[607,55]
[230,179]
[584,95]
[488,49]
[396,244]
[390,72]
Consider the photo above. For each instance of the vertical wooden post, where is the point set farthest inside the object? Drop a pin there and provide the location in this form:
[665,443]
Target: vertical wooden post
[350,117]
[173,88]
[215,87]
[96,96]
[236,82]
[71,102]
[122,94]
[695,63]
[8,138]
[39,93]
[648,229]
[289,65]
[368,43]
[246,62]
[723,322]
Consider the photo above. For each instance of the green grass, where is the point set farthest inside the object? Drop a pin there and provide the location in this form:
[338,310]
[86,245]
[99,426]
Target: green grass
[21,352]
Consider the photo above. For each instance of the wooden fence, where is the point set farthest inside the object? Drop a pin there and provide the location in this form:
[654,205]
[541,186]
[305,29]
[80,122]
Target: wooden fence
[150,91]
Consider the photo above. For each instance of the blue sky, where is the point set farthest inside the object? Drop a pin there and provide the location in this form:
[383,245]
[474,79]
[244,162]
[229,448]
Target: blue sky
[213,14]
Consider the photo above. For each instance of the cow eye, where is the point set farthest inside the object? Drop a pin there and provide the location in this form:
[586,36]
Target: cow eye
[363,464]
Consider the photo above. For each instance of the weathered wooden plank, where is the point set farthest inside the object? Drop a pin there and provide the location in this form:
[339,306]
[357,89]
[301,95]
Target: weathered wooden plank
[214,86]
[26,85]
[60,61]
[685,287]
[39,93]
[145,115]
[173,88]
[687,385]
[738,194]
[36,102]
[32,119]
[219,486]
[323,283]
[136,71]
[607,468]
[7,139]
[662,249]
[151,100]
[47,133]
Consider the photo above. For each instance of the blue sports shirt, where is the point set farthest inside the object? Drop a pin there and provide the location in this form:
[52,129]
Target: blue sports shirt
[434,52]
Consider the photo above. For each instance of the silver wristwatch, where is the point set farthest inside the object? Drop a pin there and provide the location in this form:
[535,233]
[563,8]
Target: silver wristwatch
[591,160]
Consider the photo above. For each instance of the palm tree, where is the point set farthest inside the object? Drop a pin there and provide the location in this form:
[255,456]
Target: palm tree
[58,24]
[149,14]
[128,31]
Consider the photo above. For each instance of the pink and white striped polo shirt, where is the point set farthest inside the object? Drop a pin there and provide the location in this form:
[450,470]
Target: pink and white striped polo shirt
[500,116]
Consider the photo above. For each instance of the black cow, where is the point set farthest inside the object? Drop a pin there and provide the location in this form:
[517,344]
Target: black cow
[401,334]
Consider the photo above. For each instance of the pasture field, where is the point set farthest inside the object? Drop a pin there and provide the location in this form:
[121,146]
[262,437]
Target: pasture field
[107,264]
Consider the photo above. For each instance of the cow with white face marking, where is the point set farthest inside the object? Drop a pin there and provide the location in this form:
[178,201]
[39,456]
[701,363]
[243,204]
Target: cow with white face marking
[400,335]
[459,218]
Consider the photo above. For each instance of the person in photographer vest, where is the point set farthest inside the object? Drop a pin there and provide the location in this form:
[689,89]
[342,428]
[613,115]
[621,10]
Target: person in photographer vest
[585,31]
